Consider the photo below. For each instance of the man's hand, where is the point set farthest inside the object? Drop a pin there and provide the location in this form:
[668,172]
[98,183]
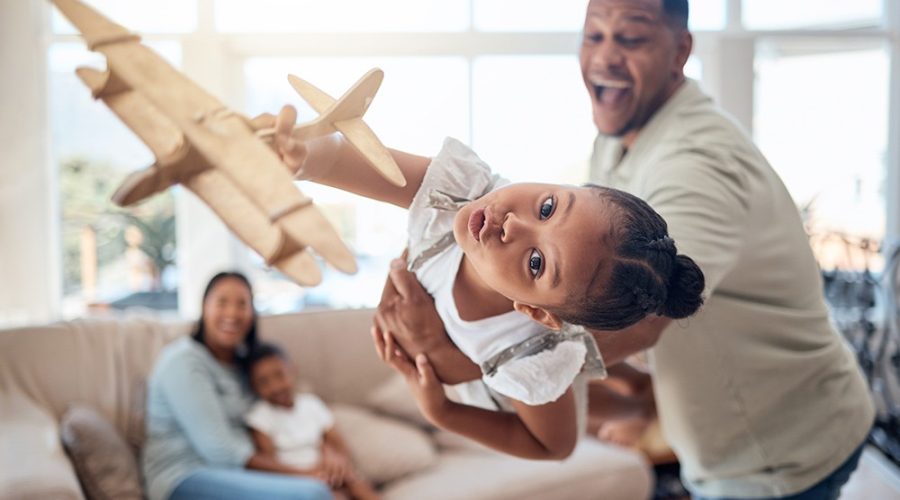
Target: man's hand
[407,314]
[420,377]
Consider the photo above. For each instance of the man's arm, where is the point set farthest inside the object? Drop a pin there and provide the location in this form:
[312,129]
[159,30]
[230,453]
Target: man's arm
[407,313]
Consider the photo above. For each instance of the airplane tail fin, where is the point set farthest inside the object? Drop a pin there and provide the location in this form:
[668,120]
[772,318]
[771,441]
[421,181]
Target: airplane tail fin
[139,185]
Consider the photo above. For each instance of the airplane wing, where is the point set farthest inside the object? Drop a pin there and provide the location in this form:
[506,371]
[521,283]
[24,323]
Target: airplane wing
[316,98]
[253,227]
[159,133]
[364,140]
[345,115]
[215,137]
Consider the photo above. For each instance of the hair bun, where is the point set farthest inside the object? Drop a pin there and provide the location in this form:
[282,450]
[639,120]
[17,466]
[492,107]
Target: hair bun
[664,244]
[685,290]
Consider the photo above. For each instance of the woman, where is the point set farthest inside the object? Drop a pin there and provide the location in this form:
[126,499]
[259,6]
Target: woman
[197,444]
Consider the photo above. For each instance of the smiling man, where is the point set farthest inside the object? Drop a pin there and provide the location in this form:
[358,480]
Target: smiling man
[757,394]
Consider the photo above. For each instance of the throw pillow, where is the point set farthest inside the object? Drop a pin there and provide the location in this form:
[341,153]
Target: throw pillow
[393,398]
[103,461]
[382,448]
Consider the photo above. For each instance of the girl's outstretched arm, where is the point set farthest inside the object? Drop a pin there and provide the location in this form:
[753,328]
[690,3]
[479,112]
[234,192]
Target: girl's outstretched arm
[333,161]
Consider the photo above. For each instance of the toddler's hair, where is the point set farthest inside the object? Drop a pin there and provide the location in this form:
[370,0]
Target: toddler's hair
[263,350]
[648,276]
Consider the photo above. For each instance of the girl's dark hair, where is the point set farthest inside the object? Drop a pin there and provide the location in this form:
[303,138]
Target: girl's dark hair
[251,340]
[647,274]
[263,350]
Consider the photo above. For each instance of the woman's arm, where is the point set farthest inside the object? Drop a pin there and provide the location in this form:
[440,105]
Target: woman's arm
[190,393]
[545,432]
[333,161]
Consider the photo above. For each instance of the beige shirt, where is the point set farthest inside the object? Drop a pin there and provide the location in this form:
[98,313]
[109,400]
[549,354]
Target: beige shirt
[757,394]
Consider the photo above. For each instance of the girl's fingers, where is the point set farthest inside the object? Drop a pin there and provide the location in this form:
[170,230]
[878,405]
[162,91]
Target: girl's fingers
[427,377]
[284,124]
[378,340]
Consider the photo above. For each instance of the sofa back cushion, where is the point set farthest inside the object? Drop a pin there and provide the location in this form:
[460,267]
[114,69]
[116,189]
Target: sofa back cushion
[104,363]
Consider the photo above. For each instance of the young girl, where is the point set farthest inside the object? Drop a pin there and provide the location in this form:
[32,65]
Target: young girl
[509,266]
[298,429]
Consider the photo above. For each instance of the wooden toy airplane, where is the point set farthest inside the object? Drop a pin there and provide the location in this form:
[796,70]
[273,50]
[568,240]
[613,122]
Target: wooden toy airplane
[215,153]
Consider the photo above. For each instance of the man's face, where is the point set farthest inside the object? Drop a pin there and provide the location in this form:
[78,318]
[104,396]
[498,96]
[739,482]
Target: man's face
[632,61]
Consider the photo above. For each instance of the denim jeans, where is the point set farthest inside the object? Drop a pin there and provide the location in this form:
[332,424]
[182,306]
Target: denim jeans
[241,484]
[826,489]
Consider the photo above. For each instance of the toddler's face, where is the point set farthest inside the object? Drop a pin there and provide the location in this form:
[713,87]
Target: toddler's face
[536,243]
[272,380]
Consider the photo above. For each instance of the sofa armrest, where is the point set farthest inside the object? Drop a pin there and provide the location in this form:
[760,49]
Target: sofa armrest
[33,463]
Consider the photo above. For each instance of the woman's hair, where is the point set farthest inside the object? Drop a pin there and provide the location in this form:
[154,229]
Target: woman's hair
[647,274]
[250,341]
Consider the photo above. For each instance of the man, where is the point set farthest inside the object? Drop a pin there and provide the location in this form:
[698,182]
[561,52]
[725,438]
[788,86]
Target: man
[757,394]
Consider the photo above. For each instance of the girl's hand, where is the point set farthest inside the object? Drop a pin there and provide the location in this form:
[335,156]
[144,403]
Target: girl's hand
[420,376]
[292,152]
[335,467]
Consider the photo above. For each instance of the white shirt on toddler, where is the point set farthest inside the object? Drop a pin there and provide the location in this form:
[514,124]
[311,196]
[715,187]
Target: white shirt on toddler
[297,432]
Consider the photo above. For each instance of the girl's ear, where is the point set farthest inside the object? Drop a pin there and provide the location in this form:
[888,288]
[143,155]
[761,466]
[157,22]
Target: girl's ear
[540,315]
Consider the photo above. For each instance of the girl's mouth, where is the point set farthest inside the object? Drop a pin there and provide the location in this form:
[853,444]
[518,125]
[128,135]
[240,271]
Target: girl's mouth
[476,223]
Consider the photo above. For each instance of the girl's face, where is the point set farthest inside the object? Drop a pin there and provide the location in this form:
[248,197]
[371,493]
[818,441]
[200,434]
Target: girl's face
[536,244]
[227,314]
[272,380]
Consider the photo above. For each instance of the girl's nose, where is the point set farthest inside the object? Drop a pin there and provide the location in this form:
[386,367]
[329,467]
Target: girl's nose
[512,228]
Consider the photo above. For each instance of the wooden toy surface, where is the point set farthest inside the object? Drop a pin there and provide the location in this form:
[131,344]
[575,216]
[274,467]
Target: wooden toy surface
[215,153]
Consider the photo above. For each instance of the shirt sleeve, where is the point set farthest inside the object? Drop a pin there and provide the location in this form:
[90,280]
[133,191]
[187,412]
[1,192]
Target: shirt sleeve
[541,377]
[703,197]
[457,171]
[322,415]
[259,417]
[201,415]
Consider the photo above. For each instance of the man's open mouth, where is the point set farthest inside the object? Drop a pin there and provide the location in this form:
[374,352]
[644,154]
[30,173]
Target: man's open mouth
[610,92]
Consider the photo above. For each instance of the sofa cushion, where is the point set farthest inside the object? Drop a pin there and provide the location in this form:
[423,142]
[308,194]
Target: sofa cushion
[382,448]
[594,470]
[393,398]
[104,462]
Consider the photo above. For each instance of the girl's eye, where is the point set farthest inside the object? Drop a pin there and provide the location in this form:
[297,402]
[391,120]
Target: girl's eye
[535,263]
[547,208]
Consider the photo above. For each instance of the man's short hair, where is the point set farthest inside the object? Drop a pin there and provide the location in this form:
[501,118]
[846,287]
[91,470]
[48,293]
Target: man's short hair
[676,12]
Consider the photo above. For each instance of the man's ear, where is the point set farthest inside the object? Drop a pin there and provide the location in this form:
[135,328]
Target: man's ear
[685,44]
[540,315]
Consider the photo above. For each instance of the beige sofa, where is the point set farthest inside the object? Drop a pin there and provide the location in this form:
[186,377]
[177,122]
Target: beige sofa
[104,363]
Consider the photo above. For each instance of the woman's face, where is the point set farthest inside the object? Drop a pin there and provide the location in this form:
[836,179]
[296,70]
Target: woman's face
[536,244]
[227,314]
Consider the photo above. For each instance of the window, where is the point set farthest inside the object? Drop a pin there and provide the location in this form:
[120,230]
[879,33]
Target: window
[112,257]
[140,16]
[503,79]
[822,14]
[821,120]
[305,16]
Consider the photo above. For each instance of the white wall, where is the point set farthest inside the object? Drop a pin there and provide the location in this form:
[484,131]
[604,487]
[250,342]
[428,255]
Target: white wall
[29,240]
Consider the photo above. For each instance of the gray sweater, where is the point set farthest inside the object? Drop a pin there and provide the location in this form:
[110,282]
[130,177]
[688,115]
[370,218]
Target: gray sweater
[194,418]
